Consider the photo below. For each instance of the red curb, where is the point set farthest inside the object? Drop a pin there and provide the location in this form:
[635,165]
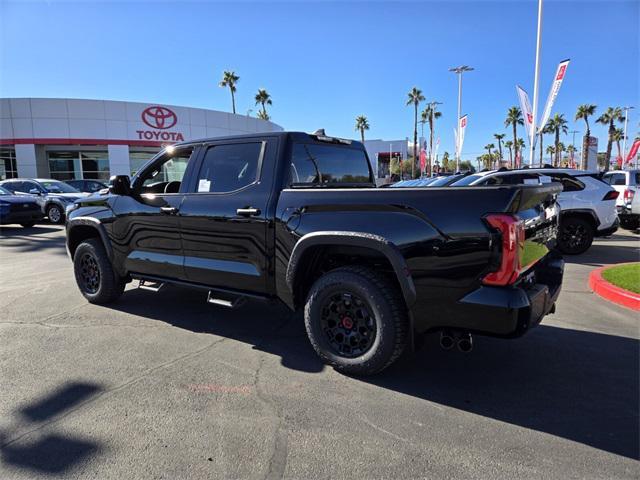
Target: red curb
[611,292]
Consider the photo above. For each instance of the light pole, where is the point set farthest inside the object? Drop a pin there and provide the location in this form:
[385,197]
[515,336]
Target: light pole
[459,71]
[535,85]
[573,144]
[624,138]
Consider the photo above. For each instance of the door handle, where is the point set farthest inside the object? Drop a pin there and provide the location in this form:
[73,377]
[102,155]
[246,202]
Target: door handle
[169,210]
[248,212]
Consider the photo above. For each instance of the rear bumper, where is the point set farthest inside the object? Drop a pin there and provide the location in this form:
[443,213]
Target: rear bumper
[511,312]
[605,232]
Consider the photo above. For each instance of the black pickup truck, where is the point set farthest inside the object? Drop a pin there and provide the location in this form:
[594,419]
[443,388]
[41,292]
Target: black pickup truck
[297,217]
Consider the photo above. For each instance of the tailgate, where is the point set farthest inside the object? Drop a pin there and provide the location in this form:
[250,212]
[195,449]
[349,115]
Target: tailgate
[536,206]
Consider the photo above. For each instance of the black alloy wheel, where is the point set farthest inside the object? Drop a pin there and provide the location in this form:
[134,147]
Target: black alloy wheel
[89,274]
[575,236]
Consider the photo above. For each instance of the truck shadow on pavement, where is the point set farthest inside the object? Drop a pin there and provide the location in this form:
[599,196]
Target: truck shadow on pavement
[23,445]
[578,385]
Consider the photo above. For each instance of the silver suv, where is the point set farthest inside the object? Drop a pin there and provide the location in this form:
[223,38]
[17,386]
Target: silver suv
[53,196]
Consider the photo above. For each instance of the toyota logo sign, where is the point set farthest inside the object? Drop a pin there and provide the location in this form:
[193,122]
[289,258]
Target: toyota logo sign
[159,117]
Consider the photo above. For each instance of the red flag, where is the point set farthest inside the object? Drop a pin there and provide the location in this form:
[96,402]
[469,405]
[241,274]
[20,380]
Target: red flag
[423,159]
[634,150]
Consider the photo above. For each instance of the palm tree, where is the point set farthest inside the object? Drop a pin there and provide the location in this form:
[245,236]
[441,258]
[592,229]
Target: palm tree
[520,144]
[263,115]
[571,150]
[584,112]
[431,113]
[514,118]
[415,97]
[618,136]
[509,145]
[551,150]
[263,98]
[362,124]
[499,137]
[559,149]
[611,115]
[229,79]
[558,124]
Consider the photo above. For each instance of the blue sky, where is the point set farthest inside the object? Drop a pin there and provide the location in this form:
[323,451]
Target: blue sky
[326,62]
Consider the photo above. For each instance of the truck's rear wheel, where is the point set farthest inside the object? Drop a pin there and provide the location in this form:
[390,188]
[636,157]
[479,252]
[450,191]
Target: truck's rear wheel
[575,236]
[94,274]
[356,320]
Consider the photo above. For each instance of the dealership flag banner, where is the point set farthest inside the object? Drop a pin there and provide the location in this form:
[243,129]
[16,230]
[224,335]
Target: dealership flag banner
[525,106]
[633,151]
[555,88]
[462,126]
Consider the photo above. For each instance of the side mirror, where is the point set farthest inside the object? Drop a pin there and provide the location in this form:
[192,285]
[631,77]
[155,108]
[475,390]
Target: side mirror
[120,185]
[34,191]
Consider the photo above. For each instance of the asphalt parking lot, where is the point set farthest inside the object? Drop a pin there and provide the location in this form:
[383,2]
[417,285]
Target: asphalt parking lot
[166,386]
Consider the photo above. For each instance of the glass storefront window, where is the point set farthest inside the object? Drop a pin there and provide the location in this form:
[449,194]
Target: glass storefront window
[78,165]
[138,159]
[8,166]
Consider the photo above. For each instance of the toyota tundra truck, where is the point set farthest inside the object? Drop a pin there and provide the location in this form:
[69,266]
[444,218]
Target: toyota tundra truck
[297,217]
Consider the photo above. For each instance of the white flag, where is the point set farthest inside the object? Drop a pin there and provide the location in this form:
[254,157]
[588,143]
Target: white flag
[455,137]
[525,106]
[462,126]
[555,88]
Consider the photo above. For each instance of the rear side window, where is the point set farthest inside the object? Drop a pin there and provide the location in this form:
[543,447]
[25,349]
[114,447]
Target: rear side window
[313,164]
[227,168]
[569,184]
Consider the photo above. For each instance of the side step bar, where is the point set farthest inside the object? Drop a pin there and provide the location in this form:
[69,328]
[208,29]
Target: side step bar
[150,285]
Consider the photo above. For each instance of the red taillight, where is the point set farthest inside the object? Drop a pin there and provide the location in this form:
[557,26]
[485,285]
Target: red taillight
[612,195]
[512,230]
[628,195]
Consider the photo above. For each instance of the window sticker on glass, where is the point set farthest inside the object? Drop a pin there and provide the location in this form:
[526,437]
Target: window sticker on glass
[204,185]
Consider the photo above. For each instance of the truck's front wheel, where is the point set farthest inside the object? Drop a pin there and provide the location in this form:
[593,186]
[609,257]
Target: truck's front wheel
[94,274]
[356,320]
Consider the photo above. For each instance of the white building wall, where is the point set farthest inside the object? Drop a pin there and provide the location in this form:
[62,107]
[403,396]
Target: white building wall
[26,160]
[119,160]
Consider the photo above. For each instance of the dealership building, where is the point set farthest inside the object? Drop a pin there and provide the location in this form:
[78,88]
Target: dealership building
[93,139]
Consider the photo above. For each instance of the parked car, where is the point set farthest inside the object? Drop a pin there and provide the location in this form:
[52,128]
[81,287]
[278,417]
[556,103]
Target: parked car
[297,217]
[19,209]
[587,204]
[53,196]
[626,182]
[87,186]
[448,180]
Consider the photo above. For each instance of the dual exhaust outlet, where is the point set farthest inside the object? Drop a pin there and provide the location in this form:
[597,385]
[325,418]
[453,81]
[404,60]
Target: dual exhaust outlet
[463,340]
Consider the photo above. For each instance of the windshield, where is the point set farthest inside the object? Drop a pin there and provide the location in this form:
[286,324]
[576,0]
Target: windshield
[463,182]
[53,186]
[3,191]
[440,181]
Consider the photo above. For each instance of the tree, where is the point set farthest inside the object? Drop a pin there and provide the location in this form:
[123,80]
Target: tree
[618,136]
[545,130]
[415,97]
[263,115]
[445,161]
[263,98]
[229,79]
[558,124]
[488,147]
[584,112]
[571,150]
[467,166]
[514,118]
[559,149]
[362,124]
[509,145]
[499,137]
[609,117]
[551,150]
[431,114]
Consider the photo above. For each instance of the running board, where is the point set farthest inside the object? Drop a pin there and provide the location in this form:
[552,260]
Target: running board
[224,302]
[151,286]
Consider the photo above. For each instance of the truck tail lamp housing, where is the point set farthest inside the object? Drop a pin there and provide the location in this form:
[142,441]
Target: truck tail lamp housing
[628,195]
[512,247]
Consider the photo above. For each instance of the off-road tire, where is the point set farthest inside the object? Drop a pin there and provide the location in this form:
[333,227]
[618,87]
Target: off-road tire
[110,284]
[388,309]
[569,227]
[57,218]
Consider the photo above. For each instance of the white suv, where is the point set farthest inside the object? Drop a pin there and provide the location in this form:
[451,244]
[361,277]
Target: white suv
[627,183]
[587,204]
